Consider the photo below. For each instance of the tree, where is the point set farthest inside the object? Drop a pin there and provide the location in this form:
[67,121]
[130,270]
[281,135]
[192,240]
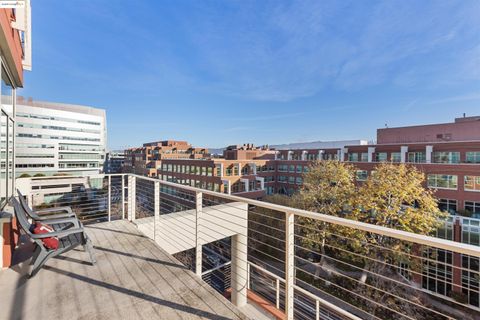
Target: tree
[24,175]
[393,196]
[365,263]
[328,188]
[39,175]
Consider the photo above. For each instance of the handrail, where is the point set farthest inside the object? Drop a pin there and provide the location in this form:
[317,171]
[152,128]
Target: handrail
[398,234]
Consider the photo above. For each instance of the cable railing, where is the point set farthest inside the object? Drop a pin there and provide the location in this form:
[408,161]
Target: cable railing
[306,265]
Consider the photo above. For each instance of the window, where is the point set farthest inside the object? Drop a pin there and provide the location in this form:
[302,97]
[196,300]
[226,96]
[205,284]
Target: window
[473,208]
[269,178]
[270,190]
[396,157]
[416,157]
[353,157]
[282,179]
[291,179]
[473,157]
[299,180]
[364,157]
[219,171]
[291,168]
[299,169]
[472,183]
[306,169]
[448,205]
[380,156]
[361,175]
[235,170]
[283,168]
[228,172]
[442,181]
[446,157]
[7,94]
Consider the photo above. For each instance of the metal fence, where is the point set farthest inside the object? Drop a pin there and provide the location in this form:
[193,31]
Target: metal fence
[305,264]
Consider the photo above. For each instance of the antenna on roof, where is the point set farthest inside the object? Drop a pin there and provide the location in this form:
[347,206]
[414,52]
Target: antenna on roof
[464,114]
[386,125]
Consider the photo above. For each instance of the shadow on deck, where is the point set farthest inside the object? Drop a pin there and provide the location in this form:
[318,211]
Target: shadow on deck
[133,279]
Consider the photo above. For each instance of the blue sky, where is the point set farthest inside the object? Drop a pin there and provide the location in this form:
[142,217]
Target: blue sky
[225,72]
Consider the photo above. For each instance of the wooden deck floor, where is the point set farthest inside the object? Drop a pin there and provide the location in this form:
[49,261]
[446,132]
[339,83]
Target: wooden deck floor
[133,279]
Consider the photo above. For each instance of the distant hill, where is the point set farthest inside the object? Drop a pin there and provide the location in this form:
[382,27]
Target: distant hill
[306,145]
[319,144]
[216,150]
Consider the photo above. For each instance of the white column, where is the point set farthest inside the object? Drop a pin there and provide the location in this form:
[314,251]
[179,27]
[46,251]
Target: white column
[262,182]
[289,264]
[403,154]
[428,154]
[239,168]
[239,267]
[304,155]
[343,151]
[156,210]
[320,154]
[247,184]
[290,153]
[221,169]
[276,154]
[254,168]
[339,154]
[371,151]
[198,242]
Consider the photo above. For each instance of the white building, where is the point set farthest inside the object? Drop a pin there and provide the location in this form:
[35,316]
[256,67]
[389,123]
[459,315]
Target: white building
[55,138]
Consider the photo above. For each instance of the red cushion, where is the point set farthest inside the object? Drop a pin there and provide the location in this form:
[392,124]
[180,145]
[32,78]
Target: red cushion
[49,243]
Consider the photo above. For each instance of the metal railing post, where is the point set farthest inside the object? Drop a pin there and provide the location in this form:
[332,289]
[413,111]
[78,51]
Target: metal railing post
[277,293]
[289,265]
[317,310]
[156,213]
[109,198]
[198,244]
[131,198]
[123,197]
[248,275]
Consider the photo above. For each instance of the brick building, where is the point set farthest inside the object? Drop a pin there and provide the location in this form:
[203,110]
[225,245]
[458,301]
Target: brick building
[147,159]
[448,154]
[241,170]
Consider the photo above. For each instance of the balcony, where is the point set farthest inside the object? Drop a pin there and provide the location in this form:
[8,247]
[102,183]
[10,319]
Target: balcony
[156,241]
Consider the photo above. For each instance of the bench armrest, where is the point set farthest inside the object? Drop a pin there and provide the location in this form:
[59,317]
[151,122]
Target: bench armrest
[59,234]
[56,216]
[68,210]
[54,220]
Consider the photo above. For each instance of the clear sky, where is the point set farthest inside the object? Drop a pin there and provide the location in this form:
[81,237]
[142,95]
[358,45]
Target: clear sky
[226,72]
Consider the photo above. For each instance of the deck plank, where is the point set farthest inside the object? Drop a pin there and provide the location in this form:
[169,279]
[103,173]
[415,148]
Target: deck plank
[133,279]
